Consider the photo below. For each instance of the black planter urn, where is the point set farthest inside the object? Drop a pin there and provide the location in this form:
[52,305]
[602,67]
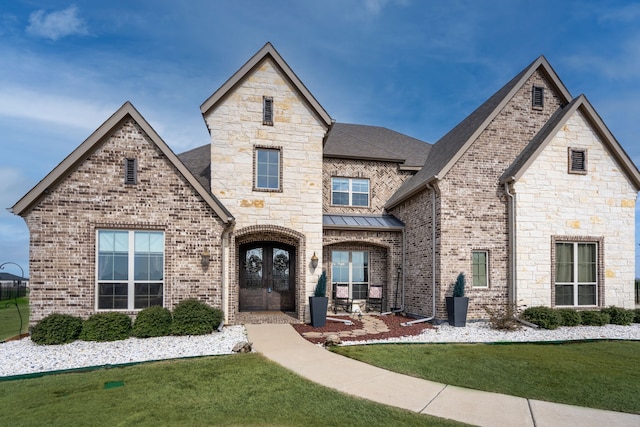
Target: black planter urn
[457,310]
[318,310]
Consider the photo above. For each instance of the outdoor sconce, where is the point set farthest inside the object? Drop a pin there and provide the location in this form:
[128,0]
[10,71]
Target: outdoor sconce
[314,260]
[206,257]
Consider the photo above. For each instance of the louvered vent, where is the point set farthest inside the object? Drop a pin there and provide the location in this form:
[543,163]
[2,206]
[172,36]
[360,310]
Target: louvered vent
[537,96]
[578,161]
[267,113]
[130,175]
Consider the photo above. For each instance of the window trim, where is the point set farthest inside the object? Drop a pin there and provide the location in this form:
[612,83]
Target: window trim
[350,192]
[267,110]
[572,151]
[351,282]
[256,149]
[131,280]
[486,267]
[599,285]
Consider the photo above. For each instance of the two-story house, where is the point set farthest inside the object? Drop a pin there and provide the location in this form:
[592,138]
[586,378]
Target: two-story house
[531,196]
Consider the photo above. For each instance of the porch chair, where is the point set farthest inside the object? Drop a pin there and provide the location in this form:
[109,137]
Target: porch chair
[341,297]
[375,298]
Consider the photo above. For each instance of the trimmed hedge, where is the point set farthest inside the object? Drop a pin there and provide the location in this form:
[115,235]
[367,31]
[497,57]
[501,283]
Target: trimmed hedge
[544,317]
[637,315]
[570,317]
[194,317]
[595,318]
[619,316]
[56,329]
[152,322]
[111,326]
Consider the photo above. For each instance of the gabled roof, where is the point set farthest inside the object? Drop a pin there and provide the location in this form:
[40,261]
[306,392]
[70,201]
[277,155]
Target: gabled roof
[267,52]
[348,141]
[448,149]
[95,139]
[554,125]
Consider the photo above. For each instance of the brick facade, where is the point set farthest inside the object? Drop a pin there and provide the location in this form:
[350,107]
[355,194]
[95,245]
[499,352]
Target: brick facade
[64,223]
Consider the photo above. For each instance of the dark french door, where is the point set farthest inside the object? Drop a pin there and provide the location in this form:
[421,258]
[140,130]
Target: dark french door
[267,277]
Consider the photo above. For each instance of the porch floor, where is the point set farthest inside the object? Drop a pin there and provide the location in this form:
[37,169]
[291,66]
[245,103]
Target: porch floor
[260,317]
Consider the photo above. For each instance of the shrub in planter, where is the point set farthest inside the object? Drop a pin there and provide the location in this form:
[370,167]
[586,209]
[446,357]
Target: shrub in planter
[619,316]
[152,322]
[56,329]
[570,317]
[544,317]
[193,317]
[594,318]
[110,326]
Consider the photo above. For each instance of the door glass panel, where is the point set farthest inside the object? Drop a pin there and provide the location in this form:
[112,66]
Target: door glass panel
[280,274]
[253,268]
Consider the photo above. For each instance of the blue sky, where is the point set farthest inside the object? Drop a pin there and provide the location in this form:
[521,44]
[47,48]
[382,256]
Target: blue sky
[414,66]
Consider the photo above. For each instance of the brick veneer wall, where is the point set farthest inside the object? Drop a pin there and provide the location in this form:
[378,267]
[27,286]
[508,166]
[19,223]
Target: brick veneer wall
[92,196]
[384,180]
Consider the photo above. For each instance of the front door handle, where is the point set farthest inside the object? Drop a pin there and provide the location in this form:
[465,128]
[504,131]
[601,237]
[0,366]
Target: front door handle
[269,290]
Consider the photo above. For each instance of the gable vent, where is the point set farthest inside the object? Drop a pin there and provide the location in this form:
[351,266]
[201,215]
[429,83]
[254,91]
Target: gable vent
[577,161]
[537,97]
[130,175]
[267,112]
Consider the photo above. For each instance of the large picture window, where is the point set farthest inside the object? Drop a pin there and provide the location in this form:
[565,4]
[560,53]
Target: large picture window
[350,192]
[130,271]
[576,274]
[351,268]
[267,169]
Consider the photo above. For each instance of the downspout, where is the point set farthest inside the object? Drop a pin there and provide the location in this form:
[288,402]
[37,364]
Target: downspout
[512,238]
[433,260]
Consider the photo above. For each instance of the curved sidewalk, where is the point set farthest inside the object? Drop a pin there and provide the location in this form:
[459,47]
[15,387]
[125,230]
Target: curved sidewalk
[282,344]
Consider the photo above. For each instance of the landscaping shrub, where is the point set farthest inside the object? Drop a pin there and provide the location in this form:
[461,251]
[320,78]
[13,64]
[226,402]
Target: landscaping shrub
[152,322]
[637,315]
[193,317]
[570,317]
[502,317]
[619,316]
[56,329]
[110,326]
[595,318]
[544,317]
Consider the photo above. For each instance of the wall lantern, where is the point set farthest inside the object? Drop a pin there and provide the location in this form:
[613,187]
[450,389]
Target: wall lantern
[205,258]
[314,260]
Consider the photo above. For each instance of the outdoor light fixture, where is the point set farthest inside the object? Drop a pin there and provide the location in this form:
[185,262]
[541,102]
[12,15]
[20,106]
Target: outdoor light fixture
[206,257]
[314,260]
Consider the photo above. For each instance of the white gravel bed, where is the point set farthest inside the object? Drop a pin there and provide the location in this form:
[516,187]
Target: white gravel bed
[25,357]
[480,332]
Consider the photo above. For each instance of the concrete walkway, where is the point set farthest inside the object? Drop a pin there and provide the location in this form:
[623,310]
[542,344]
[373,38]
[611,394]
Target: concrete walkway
[283,345]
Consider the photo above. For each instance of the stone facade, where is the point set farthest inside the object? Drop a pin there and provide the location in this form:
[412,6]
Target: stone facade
[597,206]
[237,129]
[63,227]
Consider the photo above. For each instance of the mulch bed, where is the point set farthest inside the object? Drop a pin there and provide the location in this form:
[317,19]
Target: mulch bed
[393,322]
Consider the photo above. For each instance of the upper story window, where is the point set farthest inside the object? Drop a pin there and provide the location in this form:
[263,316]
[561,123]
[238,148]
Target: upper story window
[267,110]
[537,97]
[350,192]
[578,160]
[268,168]
[130,171]
[130,270]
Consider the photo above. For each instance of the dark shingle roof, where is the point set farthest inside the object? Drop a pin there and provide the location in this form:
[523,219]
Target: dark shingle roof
[198,161]
[445,151]
[375,143]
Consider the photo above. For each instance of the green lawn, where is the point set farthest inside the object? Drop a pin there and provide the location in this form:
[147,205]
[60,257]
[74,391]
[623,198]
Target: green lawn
[601,374]
[224,390]
[10,320]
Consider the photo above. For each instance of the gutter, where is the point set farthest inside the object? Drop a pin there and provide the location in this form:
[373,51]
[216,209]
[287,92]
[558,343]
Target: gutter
[433,260]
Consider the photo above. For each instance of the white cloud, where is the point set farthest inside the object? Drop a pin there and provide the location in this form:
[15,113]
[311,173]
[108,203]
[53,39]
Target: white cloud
[55,25]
